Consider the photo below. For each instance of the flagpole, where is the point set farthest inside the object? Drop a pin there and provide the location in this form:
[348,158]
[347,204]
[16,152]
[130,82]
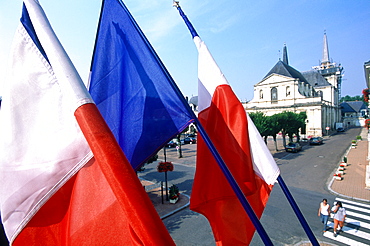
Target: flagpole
[234,185]
[297,211]
[230,178]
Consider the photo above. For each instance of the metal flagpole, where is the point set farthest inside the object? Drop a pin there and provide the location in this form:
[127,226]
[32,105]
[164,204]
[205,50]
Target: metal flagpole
[298,212]
[234,185]
[232,181]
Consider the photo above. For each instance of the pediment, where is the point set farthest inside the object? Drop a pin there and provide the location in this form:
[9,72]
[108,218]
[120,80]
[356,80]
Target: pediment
[273,79]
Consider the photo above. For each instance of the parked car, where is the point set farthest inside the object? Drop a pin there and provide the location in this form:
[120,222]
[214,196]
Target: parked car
[190,140]
[316,140]
[171,144]
[293,147]
[304,140]
[340,129]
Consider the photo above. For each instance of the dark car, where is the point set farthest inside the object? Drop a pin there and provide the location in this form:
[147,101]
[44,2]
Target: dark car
[316,140]
[293,147]
[340,129]
[190,140]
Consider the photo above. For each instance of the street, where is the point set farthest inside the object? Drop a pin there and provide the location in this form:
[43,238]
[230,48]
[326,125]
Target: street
[306,174]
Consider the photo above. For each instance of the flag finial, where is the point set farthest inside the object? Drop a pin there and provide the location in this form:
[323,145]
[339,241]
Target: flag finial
[176,4]
[187,22]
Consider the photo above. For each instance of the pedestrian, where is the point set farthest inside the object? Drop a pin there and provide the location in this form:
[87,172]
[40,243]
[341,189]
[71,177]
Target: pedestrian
[339,217]
[324,212]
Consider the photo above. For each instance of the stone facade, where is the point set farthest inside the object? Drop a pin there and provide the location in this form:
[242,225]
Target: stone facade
[315,92]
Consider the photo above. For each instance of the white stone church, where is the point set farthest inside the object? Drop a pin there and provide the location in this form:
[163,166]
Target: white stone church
[316,92]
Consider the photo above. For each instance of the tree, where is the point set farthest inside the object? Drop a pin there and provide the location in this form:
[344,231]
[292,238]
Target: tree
[283,122]
[260,121]
[150,160]
[302,116]
[291,123]
[287,122]
[348,98]
[274,127]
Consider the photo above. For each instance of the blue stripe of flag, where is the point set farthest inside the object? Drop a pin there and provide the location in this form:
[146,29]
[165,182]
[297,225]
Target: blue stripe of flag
[132,89]
[26,22]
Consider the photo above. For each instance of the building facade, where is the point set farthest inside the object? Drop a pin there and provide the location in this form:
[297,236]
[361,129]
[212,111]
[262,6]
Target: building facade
[367,73]
[316,92]
[354,113]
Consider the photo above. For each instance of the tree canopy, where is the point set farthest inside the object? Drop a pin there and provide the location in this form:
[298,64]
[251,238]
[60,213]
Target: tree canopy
[348,98]
[288,123]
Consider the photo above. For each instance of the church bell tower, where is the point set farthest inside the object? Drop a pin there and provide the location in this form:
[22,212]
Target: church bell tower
[332,72]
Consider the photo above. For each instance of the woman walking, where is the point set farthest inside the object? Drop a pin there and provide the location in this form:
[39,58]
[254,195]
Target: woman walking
[339,217]
[324,212]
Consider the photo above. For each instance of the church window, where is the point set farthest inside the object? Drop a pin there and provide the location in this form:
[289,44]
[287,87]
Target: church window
[288,91]
[261,94]
[274,95]
[320,94]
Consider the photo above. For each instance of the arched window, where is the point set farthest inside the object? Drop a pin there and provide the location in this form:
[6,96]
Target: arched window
[261,94]
[320,94]
[274,94]
[288,91]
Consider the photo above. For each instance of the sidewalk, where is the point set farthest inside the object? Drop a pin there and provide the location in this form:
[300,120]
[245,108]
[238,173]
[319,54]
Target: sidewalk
[352,184]
[163,207]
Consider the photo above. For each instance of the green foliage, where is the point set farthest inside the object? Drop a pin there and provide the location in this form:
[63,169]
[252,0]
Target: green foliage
[287,122]
[274,126]
[350,99]
[302,117]
[174,192]
[150,160]
[260,121]
[292,122]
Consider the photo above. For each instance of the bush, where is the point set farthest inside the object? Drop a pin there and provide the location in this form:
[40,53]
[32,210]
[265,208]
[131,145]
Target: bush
[174,192]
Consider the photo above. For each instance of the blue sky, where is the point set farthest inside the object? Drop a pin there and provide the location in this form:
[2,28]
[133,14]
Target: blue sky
[245,37]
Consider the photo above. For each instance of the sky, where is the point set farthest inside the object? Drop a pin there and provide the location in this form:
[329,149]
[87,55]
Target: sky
[246,37]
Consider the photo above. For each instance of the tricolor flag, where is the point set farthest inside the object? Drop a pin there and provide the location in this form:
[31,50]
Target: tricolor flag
[242,149]
[64,178]
[132,88]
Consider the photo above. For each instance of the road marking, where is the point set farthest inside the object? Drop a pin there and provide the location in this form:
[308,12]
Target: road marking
[353,202]
[354,227]
[343,239]
[364,210]
[352,231]
[358,223]
[362,216]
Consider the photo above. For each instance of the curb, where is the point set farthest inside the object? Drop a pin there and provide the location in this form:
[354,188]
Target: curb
[178,209]
[332,180]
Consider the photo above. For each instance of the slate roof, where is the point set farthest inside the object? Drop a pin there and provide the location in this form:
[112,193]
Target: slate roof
[194,100]
[352,107]
[284,69]
[315,78]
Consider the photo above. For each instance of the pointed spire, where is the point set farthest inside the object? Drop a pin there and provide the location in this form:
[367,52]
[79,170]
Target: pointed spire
[285,55]
[325,52]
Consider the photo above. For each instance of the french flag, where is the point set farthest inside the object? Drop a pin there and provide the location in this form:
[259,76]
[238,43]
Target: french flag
[132,88]
[64,178]
[243,151]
